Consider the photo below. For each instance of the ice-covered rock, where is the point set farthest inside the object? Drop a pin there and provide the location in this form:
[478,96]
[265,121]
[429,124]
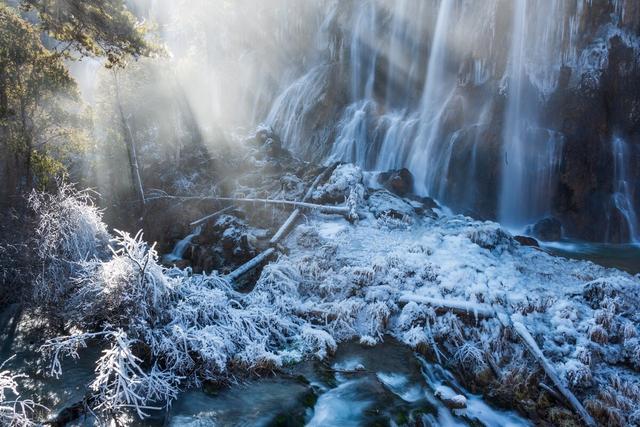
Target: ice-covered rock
[338,187]
[450,398]
[383,203]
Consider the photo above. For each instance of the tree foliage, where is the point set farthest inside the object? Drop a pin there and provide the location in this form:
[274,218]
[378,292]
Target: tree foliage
[36,100]
[96,27]
[44,127]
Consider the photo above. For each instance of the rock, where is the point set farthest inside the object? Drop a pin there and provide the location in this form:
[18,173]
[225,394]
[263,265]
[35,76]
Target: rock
[547,229]
[490,236]
[273,147]
[527,241]
[337,189]
[292,186]
[423,205]
[450,398]
[383,202]
[399,182]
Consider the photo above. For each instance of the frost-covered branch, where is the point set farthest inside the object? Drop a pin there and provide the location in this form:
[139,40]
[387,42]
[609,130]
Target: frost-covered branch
[122,384]
[70,232]
[14,411]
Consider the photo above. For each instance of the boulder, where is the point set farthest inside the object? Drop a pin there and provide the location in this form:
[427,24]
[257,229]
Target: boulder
[527,241]
[547,229]
[384,203]
[337,189]
[450,398]
[424,205]
[399,182]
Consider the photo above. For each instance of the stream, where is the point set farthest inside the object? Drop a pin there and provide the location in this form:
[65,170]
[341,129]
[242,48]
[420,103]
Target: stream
[385,385]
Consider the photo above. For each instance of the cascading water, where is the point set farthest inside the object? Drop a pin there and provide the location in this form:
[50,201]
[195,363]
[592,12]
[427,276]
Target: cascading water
[182,245]
[426,156]
[459,92]
[531,154]
[625,195]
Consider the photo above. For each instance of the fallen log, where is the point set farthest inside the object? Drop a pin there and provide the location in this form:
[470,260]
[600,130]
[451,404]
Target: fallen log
[484,310]
[531,344]
[250,265]
[329,209]
[279,235]
[203,219]
[460,307]
[286,226]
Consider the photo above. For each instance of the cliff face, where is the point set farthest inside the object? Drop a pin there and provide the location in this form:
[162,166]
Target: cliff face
[512,110]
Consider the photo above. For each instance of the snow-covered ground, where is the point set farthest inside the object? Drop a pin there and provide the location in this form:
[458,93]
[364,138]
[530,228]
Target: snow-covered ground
[386,274]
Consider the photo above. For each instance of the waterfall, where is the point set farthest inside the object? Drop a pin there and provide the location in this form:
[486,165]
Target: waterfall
[531,154]
[457,91]
[426,159]
[625,189]
[182,245]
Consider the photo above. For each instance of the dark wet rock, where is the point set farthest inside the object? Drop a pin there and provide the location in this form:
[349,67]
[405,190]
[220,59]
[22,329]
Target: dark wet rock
[292,187]
[226,242]
[423,205]
[450,398]
[399,182]
[547,229]
[384,203]
[66,415]
[273,147]
[527,241]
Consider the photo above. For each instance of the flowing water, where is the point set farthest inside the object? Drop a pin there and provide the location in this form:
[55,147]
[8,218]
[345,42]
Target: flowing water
[181,246]
[626,192]
[383,385]
[457,91]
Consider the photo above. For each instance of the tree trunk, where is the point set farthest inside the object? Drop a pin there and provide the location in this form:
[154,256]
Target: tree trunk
[136,180]
[28,147]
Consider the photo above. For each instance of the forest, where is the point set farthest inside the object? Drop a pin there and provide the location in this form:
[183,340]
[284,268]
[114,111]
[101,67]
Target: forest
[319,213]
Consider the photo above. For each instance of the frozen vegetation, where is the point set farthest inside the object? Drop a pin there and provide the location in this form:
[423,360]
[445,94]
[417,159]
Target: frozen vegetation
[392,272]
[14,411]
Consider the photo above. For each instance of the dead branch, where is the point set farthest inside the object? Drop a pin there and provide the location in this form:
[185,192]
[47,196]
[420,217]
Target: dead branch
[535,351]
[250,265]
[220,212]
[484,310]
[329,209]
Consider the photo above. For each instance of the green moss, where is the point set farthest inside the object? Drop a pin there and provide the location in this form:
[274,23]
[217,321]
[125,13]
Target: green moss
[309,399]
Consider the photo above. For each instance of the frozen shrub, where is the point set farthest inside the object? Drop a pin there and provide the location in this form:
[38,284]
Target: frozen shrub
[598,334]
[415,337]
[129,290]
[317,341]
[120,383]
[629,331]
[631,352]
[578,375]
[411,315]
[308,237]
[70,232]
[14,411]
[470,357]
[583,355]
[615,398]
